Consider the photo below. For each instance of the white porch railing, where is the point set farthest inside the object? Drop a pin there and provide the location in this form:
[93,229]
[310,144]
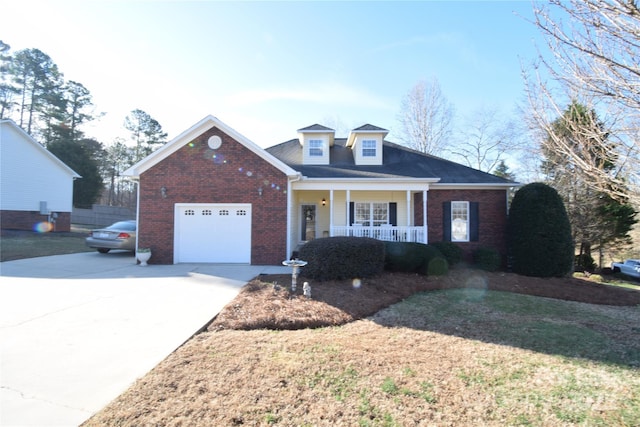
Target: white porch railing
[389,233]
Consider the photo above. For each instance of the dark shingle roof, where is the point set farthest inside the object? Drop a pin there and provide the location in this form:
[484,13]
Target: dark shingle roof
[316,127]
[370,127]
[399,162]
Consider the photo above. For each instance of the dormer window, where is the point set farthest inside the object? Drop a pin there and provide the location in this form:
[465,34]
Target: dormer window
[366,143]
[316,148]
[369,148]
[316,141]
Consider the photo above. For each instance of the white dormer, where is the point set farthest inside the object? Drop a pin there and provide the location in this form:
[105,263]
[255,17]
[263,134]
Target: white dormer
[316,141]
[366,144]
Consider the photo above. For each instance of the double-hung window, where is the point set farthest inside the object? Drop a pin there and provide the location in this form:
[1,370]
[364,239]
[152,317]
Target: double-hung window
[316,148]
[459,221]
[368,148]
[371,213]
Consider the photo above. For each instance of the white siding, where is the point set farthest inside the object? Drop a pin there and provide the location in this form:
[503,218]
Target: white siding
[29,174]
[326,139]
[357,150]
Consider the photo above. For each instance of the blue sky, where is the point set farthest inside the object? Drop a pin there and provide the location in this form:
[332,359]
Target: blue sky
[270,68]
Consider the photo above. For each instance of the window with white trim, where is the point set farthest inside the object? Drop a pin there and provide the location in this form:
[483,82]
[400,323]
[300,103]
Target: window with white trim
[316,148]
[369,148]
[459,221]
[371,213]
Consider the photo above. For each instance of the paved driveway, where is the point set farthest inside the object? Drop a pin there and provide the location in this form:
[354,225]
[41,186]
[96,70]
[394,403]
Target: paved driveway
[77,330]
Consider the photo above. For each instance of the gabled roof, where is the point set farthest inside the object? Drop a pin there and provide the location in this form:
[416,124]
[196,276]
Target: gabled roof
[316,128]
[399,162]
[48,154]
[193,132]
[368,127]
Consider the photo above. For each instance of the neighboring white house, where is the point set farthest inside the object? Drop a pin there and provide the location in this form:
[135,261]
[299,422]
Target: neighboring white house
[36,188]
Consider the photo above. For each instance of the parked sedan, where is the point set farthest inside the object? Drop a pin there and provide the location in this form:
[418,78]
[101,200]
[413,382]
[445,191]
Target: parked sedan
[630,267]
[121,235]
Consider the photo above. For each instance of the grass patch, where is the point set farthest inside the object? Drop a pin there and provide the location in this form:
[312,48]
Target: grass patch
[16,245]
[441,358]
[545,325]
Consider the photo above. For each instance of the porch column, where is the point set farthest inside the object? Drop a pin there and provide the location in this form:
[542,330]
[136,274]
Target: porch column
[424,216]
[408,209]
[348,213]
[331,213]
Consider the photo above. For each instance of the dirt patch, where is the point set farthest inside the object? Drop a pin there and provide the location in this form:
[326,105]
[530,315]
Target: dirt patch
[267,303]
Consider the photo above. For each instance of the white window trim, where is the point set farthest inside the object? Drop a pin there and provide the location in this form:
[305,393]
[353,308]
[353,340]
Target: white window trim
[370,221]
[368,149]
[316,148]
[467,223]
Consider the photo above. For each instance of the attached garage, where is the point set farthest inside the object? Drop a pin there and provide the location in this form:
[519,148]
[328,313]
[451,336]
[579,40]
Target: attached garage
[213,233]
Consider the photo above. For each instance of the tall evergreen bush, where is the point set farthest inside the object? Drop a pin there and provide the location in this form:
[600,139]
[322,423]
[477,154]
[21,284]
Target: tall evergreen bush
[539,233]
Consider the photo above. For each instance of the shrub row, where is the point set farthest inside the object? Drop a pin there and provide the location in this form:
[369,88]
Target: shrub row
[412,257]
[336,258]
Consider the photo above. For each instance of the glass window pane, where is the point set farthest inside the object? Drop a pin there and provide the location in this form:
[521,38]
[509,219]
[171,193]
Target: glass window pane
[315,147]
[362,213]
[460,221]
[369,148]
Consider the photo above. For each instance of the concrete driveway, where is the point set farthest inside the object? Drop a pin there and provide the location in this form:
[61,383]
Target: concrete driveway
[77,330]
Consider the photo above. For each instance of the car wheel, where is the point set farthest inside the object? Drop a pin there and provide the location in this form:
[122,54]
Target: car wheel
[103,250]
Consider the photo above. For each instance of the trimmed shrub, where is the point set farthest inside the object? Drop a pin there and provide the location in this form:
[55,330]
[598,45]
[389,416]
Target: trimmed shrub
[539,233]
[410,257]
[584,262]
[438,266]
[402,256]
[487,259]
[337,258]
[452,252]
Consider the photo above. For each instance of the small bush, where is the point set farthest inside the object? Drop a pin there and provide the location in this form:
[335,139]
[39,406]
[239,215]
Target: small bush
[412,257]
[487,259]
[584,262]
[452,252]
[438,266]
[336,258]
[402,256]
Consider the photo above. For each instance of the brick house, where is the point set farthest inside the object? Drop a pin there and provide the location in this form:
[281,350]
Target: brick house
[36,187]
[212,195]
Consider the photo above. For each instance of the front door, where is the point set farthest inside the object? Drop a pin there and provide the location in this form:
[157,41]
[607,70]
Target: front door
[308,223]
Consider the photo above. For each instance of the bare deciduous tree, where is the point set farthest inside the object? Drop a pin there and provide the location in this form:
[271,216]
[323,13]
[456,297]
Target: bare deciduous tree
[594,58]
[484,139]
[426,118]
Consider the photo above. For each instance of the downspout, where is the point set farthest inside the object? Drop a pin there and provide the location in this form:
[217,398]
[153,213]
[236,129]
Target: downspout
[331,213]
[297,177]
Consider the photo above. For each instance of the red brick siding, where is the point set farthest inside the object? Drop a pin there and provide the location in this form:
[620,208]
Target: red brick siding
[231,174]
[492,216]
[27,220]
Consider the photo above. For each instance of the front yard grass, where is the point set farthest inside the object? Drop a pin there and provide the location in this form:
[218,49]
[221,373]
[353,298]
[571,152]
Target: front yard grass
[468,356]
[20,244]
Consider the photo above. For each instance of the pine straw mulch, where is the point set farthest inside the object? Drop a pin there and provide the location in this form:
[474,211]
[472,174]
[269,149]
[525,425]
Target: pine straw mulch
[267,302]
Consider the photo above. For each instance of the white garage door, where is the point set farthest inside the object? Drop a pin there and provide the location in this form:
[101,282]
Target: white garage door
[219,233]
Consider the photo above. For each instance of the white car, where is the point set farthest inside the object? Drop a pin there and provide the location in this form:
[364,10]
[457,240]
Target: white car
[630,267]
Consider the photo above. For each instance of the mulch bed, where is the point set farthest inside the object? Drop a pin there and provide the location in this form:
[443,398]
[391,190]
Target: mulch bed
[267,303]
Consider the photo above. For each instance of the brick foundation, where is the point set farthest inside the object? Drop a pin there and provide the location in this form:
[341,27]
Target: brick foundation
[28,220]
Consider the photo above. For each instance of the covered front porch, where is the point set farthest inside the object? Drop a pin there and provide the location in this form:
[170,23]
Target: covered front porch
[389,212]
